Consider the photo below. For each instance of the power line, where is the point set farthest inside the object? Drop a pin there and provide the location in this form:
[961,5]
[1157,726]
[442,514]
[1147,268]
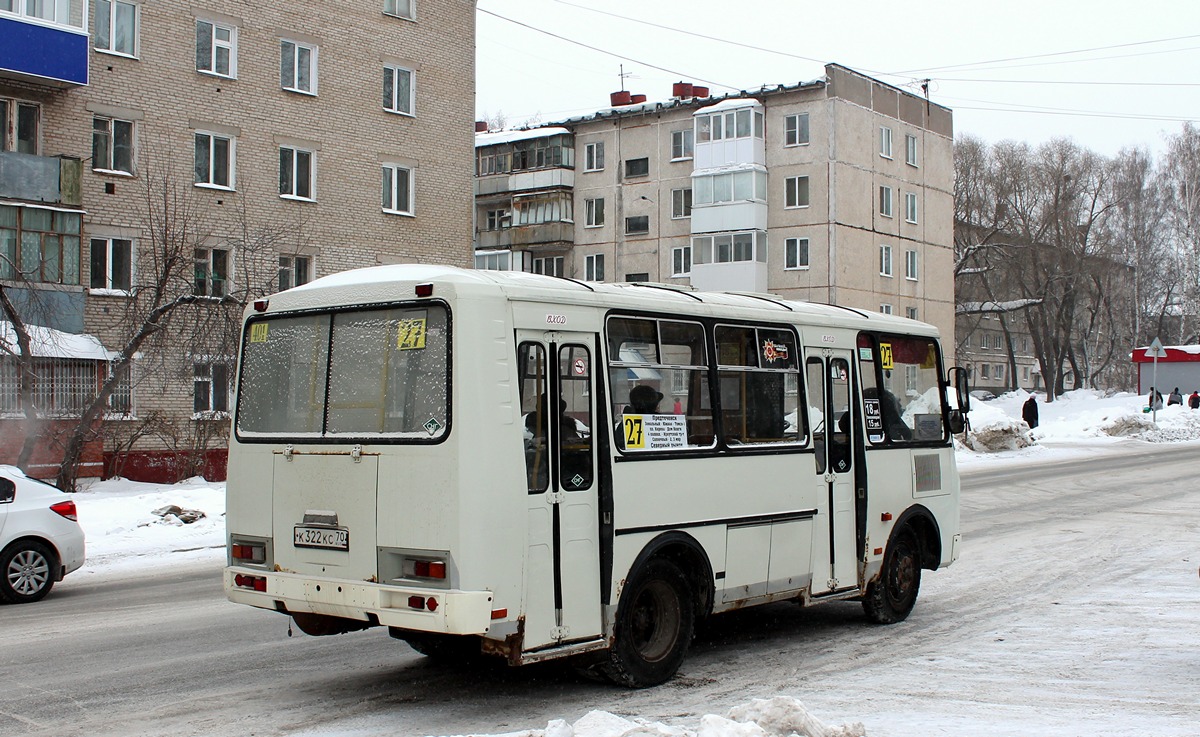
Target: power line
[1040,56]
[1080,82]
[1043,110]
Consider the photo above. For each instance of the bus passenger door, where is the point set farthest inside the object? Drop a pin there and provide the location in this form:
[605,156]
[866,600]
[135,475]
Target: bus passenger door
[562,575]
[835,562]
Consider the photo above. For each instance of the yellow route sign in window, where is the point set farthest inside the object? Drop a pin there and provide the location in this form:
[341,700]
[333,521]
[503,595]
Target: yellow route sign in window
[258,332]
[635,436]
[412,334]
[885,356]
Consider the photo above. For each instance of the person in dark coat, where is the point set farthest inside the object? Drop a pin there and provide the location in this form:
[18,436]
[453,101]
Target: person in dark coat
[1194,400]
[1029,412]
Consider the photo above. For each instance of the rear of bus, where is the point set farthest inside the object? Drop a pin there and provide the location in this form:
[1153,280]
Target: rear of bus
[342,508]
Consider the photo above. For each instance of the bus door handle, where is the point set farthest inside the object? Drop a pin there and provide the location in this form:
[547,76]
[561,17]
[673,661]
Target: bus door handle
[555,497]
[830,478]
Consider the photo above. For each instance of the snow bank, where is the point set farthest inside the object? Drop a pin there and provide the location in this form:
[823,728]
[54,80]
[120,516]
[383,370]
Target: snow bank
[780,716]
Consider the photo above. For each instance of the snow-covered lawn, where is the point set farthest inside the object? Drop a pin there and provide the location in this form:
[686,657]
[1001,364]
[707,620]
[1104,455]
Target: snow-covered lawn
[125,536]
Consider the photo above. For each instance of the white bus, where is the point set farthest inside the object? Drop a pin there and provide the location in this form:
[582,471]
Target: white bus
[534,467]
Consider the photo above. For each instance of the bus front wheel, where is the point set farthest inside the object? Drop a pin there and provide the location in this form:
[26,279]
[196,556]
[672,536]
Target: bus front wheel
[891,597]
[654,626]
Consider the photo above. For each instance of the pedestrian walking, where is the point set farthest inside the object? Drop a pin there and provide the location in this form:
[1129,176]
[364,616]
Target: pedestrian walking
[1194,400]
[1174,397]
[1029,411]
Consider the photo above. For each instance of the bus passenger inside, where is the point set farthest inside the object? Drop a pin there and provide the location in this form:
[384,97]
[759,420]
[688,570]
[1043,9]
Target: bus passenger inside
[643,400]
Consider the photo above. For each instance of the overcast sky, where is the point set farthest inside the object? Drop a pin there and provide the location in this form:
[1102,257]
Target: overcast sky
[1107,74]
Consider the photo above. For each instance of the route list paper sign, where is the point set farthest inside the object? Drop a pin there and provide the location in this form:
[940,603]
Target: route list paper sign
[655,432]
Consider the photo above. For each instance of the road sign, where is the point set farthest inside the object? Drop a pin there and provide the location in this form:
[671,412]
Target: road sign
[1156,349]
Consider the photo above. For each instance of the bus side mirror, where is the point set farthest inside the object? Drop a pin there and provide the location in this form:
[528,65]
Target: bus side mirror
[957,422]
[957,376]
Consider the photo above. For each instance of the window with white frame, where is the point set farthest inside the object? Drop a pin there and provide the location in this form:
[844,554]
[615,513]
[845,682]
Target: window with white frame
[726,248]
[112,264]
[297,173]
[397,189]
[910,149]
[885,200]
[910,313]
[910,265]
[885,309]
[681,203]
[681,261]
[400,8]
[548,265]
[910,206]
[985,371]
[885,260]
[116,27]
[593,267]
[216,48]
[212,272]
[593,212]
[294,271]
[682,144]
[298,67]
[593,156]
[215,157]
[795,253]
[19,126]
[729,124]
[399,89]
[739,186]
[497,219]
[210,388]
[999,371]
[885,142]
[112,145]
[493,260]
[796,192]
[1024,373]
[795,129]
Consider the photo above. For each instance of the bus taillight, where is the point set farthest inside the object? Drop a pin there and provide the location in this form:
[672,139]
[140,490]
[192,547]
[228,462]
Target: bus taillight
[248,553]
[429,569]
[258,583]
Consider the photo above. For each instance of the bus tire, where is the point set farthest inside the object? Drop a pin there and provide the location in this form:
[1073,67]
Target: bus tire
[891,597]
[654,626]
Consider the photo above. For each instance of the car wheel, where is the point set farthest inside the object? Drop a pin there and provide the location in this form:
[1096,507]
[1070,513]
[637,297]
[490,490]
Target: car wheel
[28,572]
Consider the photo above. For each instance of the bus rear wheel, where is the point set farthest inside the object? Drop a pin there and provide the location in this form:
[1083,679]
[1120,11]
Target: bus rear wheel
[655,623]
[891,598]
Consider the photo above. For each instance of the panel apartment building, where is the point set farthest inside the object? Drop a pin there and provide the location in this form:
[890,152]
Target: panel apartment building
[266,145]
[838,190]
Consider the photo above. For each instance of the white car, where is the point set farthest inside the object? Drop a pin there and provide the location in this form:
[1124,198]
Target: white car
[40,538]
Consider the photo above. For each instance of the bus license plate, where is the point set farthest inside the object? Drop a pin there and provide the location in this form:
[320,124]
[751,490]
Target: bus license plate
[321,537]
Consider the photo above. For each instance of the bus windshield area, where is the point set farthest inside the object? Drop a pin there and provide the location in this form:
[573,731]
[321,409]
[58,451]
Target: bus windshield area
[902,397]
[370,373]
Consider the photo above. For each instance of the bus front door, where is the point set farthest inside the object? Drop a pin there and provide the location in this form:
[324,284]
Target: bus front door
[562,574]
[835,562]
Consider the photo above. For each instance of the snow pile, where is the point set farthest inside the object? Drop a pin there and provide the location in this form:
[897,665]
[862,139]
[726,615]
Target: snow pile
[780,716]
[992,430]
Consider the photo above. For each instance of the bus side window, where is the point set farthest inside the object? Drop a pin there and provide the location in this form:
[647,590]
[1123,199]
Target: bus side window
[531,362]
[816,409]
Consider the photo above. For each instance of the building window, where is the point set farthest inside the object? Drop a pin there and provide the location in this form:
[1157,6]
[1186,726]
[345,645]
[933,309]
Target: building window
[682,144]
[497,219]
[397,189]
[297,173]
[637,224]
[593,267]
[885,260]
[730,247]
[593,156]
[681,261]
[998,371]
[910,149]
[795,129]
[294,271]
[116,27]
[910,206]
[885,142]
[493,260]
[1024,373]
[210,388]
[638,277]
[112,264]
[400,8]
[593,212]
[1024,345]
[985,371]
[555,207]
[214,160]
[212,272]
[298,67]
[548,265]
[885,201]
[910,265]
[112,145]
[637,167]
[729,124]
[19,122]
[216,49]
[739,186]
[681,203]
[795,253]
[885,309]
[796,192]
[398,90]
[39,245]
[63,387]
[910,313]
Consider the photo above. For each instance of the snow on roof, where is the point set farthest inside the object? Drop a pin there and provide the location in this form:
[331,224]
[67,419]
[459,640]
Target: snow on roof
[492,138]
[1175,353]
[51,343]
[728,104]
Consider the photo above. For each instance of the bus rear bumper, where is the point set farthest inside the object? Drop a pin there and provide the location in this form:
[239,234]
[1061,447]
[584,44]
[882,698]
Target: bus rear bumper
[448,611]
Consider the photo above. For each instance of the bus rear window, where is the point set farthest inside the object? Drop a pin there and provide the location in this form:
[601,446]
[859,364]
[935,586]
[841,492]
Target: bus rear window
[361,374]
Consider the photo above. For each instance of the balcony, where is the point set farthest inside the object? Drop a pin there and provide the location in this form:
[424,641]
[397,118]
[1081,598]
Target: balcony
[540,234]
[50,50]
[51,180]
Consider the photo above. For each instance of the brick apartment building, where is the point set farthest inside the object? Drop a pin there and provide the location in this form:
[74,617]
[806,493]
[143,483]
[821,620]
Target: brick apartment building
[293,144]
[838,190]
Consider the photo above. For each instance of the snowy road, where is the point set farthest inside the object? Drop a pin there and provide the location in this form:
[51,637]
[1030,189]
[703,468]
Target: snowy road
[1074,610]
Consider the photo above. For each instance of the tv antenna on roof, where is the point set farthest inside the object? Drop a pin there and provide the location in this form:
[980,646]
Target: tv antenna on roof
[623,75]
